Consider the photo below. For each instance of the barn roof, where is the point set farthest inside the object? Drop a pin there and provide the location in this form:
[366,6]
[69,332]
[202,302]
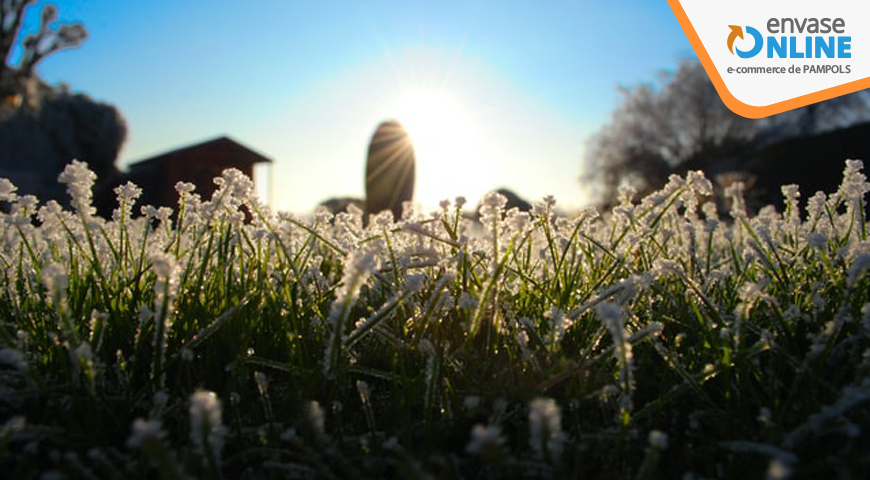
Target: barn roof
[225,144]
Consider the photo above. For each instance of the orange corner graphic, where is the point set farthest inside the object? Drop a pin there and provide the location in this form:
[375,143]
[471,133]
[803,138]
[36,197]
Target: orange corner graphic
[743,109]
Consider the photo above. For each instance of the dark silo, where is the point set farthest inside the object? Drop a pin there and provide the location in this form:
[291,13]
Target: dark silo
[389,169]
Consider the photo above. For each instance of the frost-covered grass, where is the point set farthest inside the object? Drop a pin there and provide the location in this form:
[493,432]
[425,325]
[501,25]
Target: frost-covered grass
[655,341]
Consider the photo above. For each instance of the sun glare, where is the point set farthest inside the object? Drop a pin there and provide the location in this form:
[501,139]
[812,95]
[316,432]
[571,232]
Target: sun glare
[449,146]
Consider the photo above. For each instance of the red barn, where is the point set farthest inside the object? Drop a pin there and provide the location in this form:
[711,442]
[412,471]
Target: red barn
[198,164]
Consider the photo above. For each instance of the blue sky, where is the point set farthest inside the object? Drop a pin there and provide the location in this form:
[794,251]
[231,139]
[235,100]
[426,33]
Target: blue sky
[500,93]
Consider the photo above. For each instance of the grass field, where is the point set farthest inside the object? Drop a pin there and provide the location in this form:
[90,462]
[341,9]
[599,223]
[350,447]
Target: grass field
[653,341]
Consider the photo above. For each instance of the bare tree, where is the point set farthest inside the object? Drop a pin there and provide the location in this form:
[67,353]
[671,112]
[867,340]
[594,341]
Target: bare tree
[11,18]
[389,169]
[681,123]
[48,39]
[44,127]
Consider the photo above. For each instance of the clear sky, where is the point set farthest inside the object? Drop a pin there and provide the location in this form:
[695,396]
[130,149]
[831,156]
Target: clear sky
[500,93]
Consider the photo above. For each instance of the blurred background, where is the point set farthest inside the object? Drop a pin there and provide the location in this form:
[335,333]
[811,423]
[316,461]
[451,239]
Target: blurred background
[572,99]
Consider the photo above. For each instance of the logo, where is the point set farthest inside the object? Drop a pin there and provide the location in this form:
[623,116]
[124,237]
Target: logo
[773,56]
[792,46]
[738,32]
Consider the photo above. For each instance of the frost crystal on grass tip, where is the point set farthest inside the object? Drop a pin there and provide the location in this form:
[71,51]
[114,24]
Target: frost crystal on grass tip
[613,317]
[778,470]
[316,418]
[545,427]
[484,440]
[491,207]
[382,220]
[734,192]
[7,190]
[696,181]
[262,383]
[559,322]
[357,269]
[184,187]
[79,181]
[128,192]
[791,193]
[55,279]
[859,266]
[663,267]
[166,269]
[206,423]
[414,282]
[854,182]
[236,182]
[144,432]
[518,221]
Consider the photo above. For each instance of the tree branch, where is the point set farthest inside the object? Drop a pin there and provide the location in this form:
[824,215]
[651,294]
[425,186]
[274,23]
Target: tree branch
[11,18]
[47,41]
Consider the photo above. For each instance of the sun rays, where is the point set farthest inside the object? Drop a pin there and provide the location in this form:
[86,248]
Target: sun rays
[448,142]
[389,169]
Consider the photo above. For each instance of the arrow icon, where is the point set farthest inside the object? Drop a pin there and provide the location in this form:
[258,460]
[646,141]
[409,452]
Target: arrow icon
[735,32]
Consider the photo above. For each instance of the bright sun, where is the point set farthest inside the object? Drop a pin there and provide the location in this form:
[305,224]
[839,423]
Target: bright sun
[451,156]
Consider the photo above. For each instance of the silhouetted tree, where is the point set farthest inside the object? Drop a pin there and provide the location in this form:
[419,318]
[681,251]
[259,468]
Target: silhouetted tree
[47,40]
[389,169]
[43,127]
[682,123]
